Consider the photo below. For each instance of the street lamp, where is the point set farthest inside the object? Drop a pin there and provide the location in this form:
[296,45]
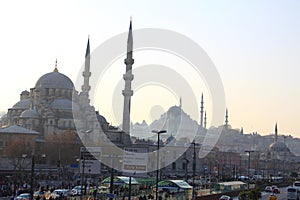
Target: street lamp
[157,164]
[32,174]
[194,168]
[82,175]
[129,188]
[249,152]
[111,187]
[32,171]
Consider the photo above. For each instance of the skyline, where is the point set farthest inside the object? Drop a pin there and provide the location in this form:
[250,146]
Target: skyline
[252,46]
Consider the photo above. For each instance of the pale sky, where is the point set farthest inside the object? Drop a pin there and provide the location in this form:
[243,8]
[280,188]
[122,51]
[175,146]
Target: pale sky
[254,45]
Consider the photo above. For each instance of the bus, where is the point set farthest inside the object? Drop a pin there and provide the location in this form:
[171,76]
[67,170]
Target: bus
[291,193]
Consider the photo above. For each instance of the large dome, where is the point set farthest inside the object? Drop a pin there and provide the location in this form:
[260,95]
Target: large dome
[54,80]
[279,146]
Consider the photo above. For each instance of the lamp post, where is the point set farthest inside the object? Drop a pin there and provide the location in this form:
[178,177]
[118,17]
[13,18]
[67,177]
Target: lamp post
[157,164]
[82,174]
[249,153]
[129,188]
[194,168]
[32,175]
[32,171]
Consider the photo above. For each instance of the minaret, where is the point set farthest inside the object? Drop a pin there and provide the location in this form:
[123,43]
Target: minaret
[180,103]
[205,120]
[86,74]
[128,77]
[55,69]
[226,119]
[201,111]
[276,133]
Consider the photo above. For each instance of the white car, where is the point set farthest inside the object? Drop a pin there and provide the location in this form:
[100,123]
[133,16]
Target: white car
[56,194]
[76,191]
[225,197]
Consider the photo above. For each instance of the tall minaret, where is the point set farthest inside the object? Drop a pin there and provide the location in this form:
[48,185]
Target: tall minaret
[86,74]
[276,133]
[201,111]
[128,77]
[180,103]
[226,119]
[205,120]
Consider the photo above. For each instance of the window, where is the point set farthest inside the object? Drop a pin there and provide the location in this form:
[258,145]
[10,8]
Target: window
[174,165]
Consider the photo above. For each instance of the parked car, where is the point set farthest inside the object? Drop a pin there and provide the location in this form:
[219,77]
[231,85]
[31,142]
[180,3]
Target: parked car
[268,189]
[76,191]
[225,197]
[24,196]
[276,190]
[56,194]
[41,194]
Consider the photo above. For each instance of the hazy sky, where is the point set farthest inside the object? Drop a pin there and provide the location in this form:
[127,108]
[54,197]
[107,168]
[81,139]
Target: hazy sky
[254,45]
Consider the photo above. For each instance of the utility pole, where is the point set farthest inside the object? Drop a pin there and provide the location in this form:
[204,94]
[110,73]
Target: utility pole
[249,153]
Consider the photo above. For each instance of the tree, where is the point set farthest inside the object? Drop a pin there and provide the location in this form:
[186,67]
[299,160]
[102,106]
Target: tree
[17,151]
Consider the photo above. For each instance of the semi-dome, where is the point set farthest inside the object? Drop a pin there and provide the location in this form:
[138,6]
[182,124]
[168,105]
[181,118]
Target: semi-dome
[54,80]
[101,119]
[23,104]
[278,146]
[64,104]
[30,113]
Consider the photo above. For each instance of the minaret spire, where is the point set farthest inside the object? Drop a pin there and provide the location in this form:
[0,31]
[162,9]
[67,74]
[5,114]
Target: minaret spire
[86,74]
[55,69]
[276,133]
[128,77]
[180,103]
[226,118]
[201,111]
[205,120]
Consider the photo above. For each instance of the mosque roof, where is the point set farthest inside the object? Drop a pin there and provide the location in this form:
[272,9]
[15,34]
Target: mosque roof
[100,118]
[174,111]
[54,80]
[22,104]
[278,146]
[64,104]
[17,129]
[30,113]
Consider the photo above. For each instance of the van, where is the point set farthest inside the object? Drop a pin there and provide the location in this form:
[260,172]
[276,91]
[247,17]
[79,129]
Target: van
[297,185]
[291,193]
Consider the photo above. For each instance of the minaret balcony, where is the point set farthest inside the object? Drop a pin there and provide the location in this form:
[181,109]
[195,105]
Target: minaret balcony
[128,76]
[129,61]
[127,93]
[86,74]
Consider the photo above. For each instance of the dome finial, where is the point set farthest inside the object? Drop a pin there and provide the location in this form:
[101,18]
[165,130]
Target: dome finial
[55,69]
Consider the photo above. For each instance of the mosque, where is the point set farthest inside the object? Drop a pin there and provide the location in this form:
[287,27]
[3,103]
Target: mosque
[50,107]
[53,106]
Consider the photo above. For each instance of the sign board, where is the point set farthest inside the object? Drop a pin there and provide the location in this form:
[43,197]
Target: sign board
[109,195]
[135,161]
[90,160]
